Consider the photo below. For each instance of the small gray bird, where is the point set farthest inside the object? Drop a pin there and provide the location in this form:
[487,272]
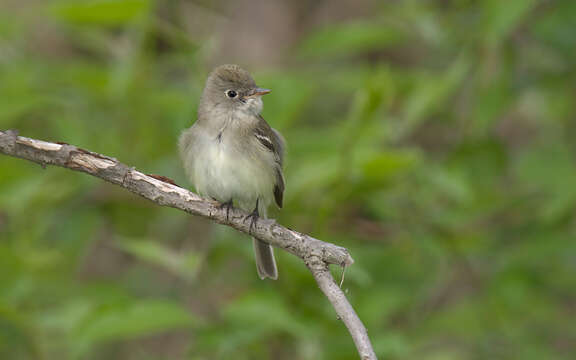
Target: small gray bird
[232,155]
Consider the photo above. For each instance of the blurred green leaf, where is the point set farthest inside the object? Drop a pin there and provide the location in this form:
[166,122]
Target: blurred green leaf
[377,171]
[278,318]
[125,321]
[558,191]
[430,91]
[500,18]
[184,265]
[16,340]
[102,12]
[351,38]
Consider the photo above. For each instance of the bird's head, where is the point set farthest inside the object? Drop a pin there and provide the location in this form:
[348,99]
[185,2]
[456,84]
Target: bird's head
[231,88]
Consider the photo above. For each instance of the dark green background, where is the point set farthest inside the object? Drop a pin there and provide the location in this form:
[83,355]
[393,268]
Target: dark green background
[434,139]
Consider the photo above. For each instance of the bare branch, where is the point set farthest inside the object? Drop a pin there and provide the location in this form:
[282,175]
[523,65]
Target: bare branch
[315,253]
[343,308]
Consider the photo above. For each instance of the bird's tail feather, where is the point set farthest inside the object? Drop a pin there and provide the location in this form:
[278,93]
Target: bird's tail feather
[265,262]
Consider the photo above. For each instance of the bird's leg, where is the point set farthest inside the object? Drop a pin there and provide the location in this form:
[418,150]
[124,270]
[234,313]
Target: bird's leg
[228,205]
[253,216]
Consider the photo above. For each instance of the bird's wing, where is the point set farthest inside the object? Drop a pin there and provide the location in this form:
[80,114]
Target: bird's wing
[273,141]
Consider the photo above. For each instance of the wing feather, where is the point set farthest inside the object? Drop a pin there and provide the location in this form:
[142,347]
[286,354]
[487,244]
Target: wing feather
[274,142]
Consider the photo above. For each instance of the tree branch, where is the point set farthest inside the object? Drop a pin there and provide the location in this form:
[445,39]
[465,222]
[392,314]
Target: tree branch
[316,254]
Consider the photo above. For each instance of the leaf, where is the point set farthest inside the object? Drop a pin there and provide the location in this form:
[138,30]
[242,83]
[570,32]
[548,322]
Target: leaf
[15,328]
[136,319]
[431,91]
[349,39]
[379,169]
[277,318]
[102,12]
[184,265]
[501,17]
[550,171]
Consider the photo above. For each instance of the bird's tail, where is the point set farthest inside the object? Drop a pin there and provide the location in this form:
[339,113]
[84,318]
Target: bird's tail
[264,253]
[265,262]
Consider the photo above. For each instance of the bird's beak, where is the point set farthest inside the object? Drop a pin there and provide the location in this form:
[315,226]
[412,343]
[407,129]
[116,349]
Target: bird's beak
[258,92]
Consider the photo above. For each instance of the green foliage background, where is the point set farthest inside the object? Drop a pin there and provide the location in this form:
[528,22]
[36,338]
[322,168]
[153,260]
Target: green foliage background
[434,139]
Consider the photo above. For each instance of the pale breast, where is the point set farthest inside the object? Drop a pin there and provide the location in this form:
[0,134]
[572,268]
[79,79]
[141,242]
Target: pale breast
[226,169]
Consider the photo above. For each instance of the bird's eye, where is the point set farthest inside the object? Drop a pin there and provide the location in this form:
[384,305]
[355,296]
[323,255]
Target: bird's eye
[231,94]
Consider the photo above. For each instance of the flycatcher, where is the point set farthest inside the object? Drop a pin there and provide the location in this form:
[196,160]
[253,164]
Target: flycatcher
[232,155]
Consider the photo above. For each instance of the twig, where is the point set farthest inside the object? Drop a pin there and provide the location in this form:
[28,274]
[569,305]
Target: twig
[315,253]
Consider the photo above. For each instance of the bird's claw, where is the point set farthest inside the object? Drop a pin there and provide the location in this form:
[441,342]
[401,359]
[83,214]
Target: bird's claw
[253,217]
[227,205]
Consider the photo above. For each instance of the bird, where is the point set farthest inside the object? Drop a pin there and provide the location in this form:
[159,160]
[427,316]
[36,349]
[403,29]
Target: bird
[232,155]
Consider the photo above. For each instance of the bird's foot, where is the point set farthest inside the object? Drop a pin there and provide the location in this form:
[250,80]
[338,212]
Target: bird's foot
[226,205]
[253,217]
